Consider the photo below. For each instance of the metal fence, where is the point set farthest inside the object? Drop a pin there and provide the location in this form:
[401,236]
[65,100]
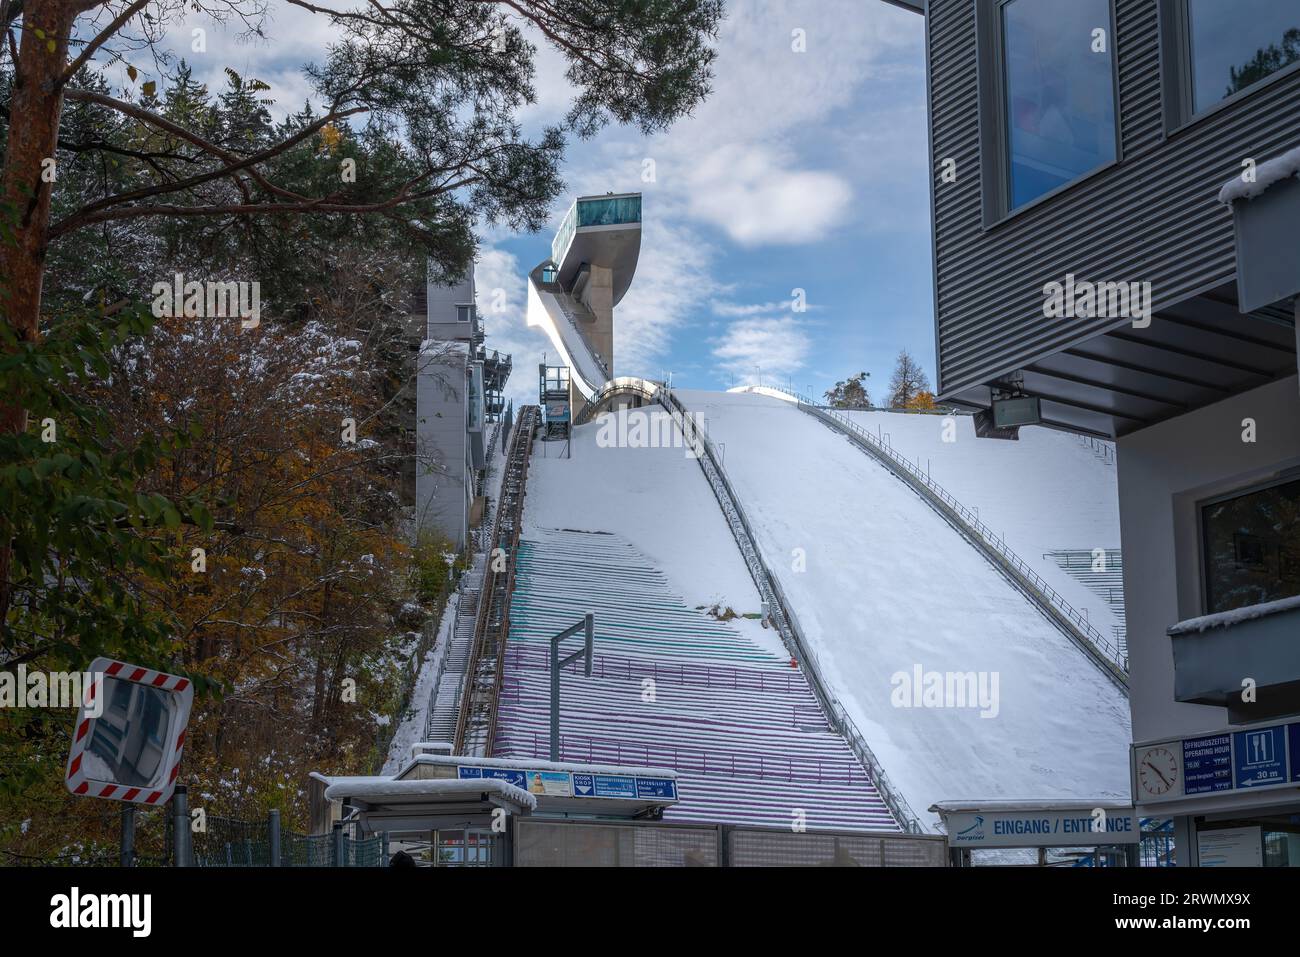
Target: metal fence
[781,613]
[752,847]
[1106,651]
[664,844]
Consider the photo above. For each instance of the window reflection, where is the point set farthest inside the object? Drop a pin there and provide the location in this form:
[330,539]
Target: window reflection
[1237,43]
[128,741]
[1252,548]
[1060,96]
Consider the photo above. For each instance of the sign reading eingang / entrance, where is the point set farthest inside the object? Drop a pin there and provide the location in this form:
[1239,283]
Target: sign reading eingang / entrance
[1249,759]
[1057,827]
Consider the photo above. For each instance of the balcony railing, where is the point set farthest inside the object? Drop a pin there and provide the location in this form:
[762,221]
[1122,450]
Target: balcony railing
[597,211]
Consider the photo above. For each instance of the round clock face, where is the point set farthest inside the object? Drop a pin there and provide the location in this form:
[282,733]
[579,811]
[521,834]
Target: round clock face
[1157,771]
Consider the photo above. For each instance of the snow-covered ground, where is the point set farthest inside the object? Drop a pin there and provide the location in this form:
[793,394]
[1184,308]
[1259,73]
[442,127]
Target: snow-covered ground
[882,586]
[411,729]
[657,499]
[1045,492]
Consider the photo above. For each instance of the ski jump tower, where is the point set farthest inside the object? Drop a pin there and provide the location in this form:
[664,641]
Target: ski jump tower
[573,294]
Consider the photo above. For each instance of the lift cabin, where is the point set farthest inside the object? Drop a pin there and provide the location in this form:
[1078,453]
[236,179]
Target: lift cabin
[553,393]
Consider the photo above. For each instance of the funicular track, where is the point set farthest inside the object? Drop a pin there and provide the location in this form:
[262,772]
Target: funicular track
[476,724]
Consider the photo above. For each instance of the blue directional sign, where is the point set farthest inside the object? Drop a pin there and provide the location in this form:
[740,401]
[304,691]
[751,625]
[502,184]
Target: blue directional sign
[583,785]
[615,786]
[501,774]
[656,788]
[1207,764]
[1260,757]
[1293,731]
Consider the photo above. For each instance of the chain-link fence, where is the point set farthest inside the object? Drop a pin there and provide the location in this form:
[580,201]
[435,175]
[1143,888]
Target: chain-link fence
[226,842]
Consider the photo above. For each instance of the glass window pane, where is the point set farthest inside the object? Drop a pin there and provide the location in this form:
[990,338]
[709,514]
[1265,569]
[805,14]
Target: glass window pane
[1237,43]
[1252,548]
[1060,96]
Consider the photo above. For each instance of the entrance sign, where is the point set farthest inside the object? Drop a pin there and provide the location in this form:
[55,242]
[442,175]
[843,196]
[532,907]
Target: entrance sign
[127,745]
[1033,827]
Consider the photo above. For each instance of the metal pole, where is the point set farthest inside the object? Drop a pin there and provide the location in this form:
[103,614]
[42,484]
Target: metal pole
[126,856]
[181,827]
[273,837]
[383,848]
[555,700]
[588,627]
[339,860]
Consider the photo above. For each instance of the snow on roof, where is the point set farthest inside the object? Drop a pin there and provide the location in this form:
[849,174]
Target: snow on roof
[531,764]
[1266,174]
[380,789]
[1235,616]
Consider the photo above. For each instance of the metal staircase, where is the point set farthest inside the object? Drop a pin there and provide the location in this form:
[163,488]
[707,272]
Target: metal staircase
[440,725]
[476,722]
[444,704]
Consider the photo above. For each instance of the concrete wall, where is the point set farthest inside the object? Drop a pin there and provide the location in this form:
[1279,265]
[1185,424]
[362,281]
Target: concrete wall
[443,479]
[1164,471]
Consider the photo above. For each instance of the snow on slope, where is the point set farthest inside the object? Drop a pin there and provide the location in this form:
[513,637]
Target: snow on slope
[1044,493]
[889,586]
[657,499]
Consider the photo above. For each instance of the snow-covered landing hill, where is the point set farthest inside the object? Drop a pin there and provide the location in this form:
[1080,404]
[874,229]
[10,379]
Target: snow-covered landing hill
[884,588]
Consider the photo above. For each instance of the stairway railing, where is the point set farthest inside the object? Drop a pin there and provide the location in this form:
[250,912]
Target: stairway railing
[476,724]
[1110,657]
[780,613]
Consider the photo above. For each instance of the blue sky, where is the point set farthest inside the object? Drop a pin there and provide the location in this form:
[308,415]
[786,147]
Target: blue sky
[804,170]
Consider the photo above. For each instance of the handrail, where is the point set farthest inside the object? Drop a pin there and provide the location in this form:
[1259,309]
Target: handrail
[623,385]
[1112,659]
[779,611]
[494,598]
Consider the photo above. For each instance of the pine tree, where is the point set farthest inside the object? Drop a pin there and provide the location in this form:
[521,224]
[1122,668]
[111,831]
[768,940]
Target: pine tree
[850,393]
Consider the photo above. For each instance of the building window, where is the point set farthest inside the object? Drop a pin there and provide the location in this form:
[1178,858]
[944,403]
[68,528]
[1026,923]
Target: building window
[1058,97]
[1214,51]
[1251,547]
[464,313]
[1233,44]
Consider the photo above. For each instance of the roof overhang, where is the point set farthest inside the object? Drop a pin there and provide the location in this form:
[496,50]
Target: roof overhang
[616,247]
[1189,356]
[916,6]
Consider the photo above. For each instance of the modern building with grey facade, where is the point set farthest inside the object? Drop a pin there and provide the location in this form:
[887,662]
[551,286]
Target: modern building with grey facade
[459,387]
[1116,253]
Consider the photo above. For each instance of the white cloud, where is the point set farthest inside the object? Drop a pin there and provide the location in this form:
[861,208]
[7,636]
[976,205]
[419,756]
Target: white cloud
[764,348]
[738,310]
[756,197]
